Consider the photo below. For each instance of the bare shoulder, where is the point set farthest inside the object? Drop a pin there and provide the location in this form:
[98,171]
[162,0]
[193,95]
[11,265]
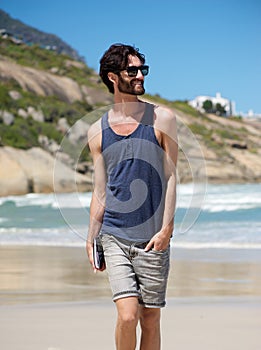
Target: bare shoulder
[164,114]
[94,135]
[94,129]
[165,119]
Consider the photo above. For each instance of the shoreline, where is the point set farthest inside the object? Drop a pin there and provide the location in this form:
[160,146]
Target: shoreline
[89,187]
[33,274]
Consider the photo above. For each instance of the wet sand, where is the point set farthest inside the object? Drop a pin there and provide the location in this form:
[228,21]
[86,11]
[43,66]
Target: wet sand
[50,274]
[50,299]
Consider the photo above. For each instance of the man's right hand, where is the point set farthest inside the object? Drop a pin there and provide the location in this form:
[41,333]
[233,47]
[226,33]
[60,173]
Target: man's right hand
[89,250]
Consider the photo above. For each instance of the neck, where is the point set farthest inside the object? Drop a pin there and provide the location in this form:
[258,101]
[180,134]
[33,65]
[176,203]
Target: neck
[120,97]
[127,104]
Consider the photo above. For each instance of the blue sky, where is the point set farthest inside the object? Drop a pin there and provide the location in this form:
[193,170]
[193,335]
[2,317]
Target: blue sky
[193,48]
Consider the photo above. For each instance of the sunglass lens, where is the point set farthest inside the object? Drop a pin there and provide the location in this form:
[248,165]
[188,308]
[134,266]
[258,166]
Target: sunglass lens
[145,70]
[132,71]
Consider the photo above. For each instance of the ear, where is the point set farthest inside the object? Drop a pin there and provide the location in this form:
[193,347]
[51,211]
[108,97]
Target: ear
[112,77]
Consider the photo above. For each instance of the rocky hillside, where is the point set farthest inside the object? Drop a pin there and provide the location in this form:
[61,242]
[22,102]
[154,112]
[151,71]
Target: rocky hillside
[48,102]
[231,148]
[224,150]
[29,35]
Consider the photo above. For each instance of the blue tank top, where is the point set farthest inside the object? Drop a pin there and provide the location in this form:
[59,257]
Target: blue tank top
[135,189]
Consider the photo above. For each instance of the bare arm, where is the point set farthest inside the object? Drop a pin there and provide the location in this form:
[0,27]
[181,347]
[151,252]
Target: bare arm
[98,196]
[166,132]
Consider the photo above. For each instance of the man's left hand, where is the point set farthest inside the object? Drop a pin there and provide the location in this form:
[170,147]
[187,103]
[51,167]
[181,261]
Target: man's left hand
[159,242]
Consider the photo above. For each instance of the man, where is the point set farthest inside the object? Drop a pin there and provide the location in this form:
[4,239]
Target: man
[134,150]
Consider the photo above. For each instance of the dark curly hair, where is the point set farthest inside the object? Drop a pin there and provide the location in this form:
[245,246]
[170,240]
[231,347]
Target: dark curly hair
[115,59]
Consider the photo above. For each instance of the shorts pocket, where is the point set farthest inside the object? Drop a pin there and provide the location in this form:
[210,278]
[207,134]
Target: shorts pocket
[160,252]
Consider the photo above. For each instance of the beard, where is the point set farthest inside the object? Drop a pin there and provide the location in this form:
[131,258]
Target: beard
[131,87]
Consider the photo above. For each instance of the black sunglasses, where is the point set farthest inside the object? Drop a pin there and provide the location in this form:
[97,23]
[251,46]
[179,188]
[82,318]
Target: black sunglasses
[133,70]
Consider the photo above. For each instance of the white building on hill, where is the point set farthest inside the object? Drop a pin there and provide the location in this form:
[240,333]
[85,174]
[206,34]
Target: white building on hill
[228,105]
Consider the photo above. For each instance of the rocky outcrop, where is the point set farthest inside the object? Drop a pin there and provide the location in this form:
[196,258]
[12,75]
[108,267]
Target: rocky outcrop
[45,83]
[40,82]
[227,160]
[35,170]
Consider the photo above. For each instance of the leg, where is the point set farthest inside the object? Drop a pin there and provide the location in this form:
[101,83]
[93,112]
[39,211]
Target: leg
[128,316]
[150,328]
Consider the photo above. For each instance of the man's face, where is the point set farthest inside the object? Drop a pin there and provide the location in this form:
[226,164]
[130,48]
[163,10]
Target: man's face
[132,85]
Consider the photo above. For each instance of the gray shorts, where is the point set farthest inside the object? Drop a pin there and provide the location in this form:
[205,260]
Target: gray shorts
[134,272]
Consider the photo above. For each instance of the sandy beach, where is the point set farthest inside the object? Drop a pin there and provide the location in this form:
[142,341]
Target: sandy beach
[51,300]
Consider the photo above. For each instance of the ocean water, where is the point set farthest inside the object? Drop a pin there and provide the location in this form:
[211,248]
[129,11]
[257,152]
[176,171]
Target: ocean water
[216,216]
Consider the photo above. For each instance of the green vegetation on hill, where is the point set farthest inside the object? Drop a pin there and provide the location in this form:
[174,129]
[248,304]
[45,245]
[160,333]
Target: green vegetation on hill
[23,133]
[39,58]
[32,36]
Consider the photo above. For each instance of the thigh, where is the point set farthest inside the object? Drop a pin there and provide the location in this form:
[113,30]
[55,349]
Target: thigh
[120,270]
[152,269]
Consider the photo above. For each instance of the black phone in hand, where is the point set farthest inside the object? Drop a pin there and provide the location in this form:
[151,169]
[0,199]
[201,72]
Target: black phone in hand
[98,254]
